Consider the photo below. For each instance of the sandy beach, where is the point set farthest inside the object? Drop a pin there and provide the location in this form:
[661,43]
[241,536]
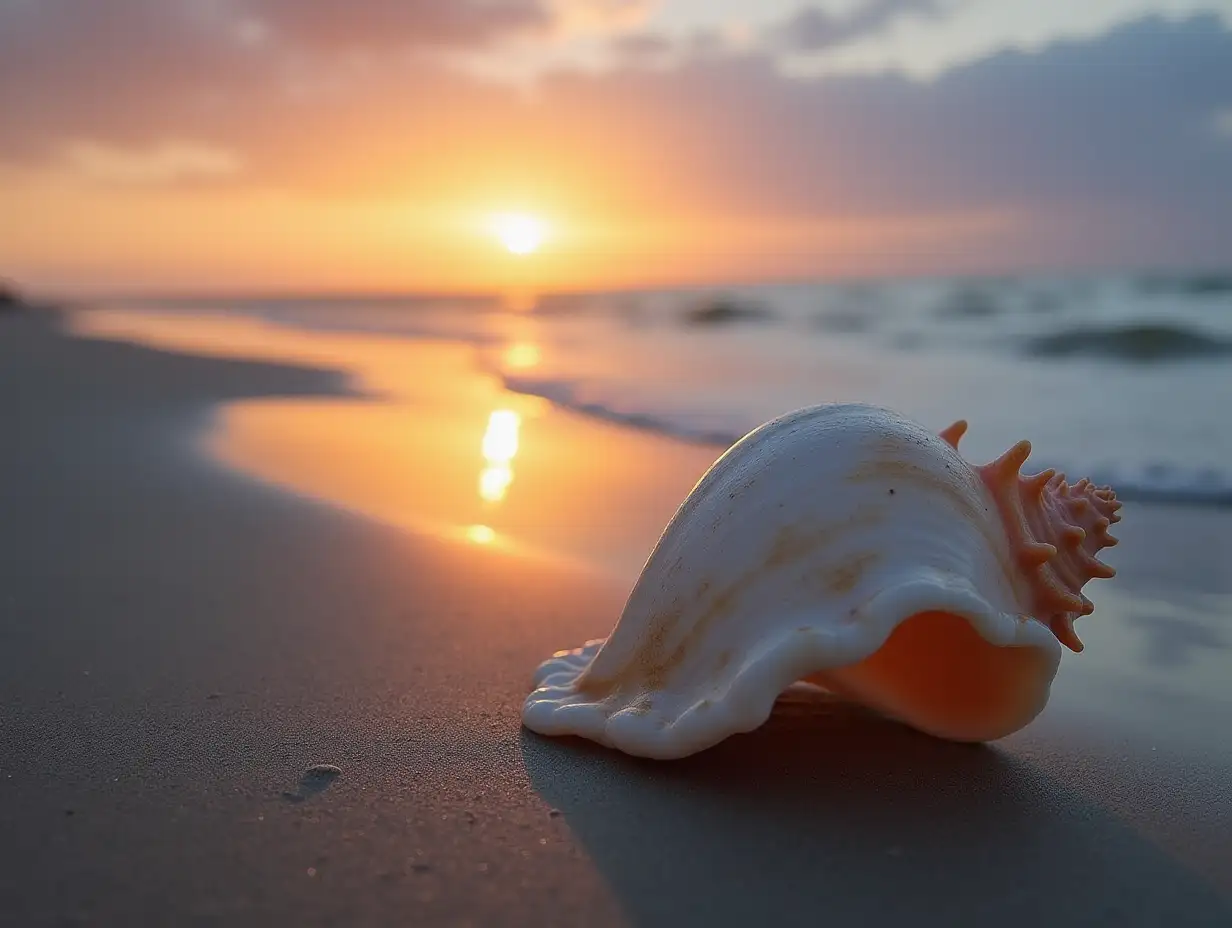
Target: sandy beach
[228,555]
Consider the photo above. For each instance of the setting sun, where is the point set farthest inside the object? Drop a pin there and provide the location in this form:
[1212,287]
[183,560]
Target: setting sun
[520,233]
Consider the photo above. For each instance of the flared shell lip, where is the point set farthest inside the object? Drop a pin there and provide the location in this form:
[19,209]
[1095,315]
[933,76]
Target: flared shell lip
[801,648]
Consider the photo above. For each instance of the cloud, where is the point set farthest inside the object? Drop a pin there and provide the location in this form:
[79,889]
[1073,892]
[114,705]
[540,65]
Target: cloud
[168,162]
[1104,148]
[602,15]
[135,72]
[642,46]
[1119,118]
[813,29]
[128,71]
[331,24]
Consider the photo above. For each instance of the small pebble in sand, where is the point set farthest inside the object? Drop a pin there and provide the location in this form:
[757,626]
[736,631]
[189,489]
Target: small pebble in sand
[323,771]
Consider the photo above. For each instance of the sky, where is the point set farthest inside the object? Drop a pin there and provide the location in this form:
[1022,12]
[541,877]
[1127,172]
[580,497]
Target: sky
[339,145]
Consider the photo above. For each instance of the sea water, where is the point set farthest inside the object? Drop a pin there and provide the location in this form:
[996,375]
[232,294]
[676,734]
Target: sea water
[1125,379]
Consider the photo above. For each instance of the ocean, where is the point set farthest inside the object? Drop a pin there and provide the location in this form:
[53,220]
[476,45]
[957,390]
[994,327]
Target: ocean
[1125,379]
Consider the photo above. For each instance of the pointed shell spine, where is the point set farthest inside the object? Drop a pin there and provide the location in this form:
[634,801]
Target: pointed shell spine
[1054,530]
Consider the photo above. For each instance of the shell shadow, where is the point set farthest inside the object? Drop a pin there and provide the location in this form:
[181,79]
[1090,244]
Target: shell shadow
[830,814]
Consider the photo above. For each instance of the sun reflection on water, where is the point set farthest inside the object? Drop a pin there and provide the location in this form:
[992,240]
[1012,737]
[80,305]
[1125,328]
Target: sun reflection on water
[500,445]
[480,534]
[522,355]
[494,483]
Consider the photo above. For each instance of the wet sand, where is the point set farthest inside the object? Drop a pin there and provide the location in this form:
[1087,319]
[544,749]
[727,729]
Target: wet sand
[180,643]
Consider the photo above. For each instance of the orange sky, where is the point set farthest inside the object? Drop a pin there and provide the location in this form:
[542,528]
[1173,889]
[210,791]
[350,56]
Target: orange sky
[79,235]
[268,149]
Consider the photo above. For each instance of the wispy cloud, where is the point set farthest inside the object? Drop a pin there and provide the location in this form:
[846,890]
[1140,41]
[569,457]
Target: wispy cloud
[814,29]
[165,163]
[379,24]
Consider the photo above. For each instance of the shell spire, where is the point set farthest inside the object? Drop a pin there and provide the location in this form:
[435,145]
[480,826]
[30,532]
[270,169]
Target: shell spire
[1055,530]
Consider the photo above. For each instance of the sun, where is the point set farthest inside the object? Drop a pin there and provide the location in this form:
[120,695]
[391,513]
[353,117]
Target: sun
[520,233]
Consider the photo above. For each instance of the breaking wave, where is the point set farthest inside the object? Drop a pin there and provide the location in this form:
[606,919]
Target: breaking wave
[1152,482]
[1141,342]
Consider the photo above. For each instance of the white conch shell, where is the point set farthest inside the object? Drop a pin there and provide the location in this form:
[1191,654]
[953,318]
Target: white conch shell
[851,547]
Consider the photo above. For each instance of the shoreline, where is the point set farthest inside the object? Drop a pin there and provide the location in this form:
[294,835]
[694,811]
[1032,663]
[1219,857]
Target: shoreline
[271,438]
[408,446]
[182,642]
[1191,483]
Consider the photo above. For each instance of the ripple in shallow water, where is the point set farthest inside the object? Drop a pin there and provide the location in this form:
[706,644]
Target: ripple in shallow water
[725,311]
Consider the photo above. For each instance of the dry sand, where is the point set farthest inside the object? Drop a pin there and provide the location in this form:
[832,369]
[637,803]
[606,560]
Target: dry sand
[181,645]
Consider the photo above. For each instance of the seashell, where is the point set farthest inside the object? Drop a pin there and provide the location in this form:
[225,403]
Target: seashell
[849,547]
